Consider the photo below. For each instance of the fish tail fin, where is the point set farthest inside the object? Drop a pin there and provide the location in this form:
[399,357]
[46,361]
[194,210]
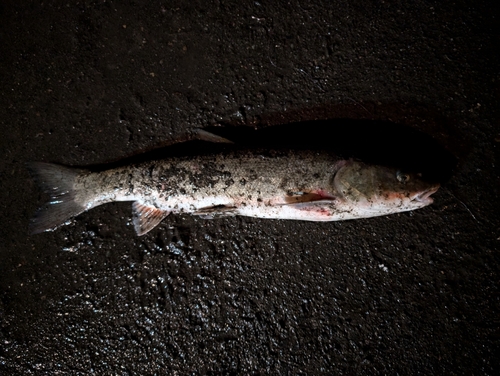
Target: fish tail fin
[65,196]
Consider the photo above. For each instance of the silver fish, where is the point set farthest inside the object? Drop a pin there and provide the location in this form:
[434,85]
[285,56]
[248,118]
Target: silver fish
[286,184]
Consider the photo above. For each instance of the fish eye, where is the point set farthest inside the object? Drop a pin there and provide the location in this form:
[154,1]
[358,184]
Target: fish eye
[402,177]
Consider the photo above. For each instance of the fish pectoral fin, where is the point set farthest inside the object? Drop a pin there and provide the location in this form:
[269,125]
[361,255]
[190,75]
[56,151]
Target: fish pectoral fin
[211,212]
[308,196]
[146,217]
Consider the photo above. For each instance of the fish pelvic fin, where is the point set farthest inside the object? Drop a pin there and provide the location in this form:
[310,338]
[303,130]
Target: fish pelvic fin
[59,183]
[146,217]
[217,211]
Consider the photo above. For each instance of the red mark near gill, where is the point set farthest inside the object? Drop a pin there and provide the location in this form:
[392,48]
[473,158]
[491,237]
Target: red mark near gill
[323,195]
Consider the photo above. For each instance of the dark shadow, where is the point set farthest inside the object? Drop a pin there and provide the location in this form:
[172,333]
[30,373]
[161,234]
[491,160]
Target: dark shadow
[376,142]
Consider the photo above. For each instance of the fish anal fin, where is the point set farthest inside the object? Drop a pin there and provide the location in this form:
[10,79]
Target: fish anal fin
[146,217]
[309,196]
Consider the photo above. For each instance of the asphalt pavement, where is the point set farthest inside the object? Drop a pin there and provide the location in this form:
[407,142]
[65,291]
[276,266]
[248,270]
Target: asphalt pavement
[92,82]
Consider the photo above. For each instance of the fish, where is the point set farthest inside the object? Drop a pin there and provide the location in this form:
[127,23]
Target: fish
[288,184]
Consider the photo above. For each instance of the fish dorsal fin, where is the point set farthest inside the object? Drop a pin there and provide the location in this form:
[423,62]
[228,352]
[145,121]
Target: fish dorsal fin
[146,217]
[202,135]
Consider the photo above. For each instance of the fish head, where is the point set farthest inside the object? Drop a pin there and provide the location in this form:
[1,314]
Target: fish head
[372,190]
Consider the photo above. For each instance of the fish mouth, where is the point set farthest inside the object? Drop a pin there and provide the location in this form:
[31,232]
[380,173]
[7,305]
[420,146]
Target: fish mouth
[424,197]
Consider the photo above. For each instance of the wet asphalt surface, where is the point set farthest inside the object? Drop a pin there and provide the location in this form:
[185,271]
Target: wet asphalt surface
[93,82]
